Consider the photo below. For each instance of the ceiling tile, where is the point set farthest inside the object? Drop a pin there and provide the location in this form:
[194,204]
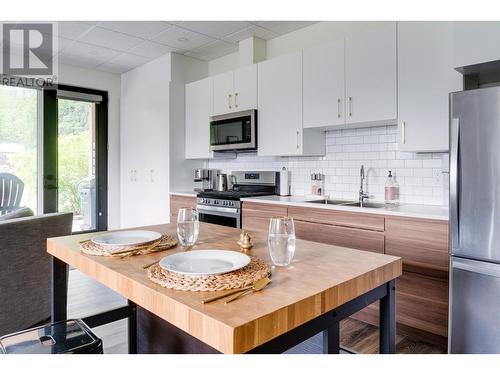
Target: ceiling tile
[215,29]
[152,49]
[127,59]
[87,51]
[213,50]
[177,37]
[112,68]
[82,62]
[283,27]
[72,30]
[142,29]
[257,31]
[110,39]
[123,63]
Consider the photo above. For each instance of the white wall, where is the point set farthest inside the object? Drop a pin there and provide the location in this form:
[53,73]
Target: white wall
[223,64]
[111,83]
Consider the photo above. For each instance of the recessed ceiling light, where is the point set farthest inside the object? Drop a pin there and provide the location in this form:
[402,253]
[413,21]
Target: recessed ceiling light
[182,39]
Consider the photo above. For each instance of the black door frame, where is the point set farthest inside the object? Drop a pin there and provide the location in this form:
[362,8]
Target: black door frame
[50,150]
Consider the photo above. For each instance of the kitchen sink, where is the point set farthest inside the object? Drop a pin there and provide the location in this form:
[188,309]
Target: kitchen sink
[365,204]
[340,202]
[330,201]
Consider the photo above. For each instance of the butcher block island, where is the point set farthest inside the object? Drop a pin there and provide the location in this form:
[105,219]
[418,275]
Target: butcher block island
[323,285]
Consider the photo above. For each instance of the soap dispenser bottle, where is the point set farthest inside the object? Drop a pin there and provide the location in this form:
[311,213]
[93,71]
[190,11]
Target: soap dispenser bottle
[391,190]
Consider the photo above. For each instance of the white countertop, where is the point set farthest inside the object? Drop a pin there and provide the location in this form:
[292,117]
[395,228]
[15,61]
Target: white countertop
[191,194]
[420,211]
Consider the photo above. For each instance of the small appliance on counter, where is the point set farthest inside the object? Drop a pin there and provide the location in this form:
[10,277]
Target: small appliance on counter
[224,207]
[205,179]
[221,182]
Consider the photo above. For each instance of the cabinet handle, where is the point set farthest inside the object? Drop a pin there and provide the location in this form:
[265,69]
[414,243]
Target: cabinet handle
[229,101]
[338,108]
[298,133]
[403,132]
[151,175]
[235,100]
[350,106]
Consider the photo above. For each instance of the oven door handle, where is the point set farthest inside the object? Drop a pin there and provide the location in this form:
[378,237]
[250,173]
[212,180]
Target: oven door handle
[222,211]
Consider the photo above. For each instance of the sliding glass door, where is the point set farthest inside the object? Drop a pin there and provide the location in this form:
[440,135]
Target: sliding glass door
[19,148]
[76,165]
[76,162]
[54,141]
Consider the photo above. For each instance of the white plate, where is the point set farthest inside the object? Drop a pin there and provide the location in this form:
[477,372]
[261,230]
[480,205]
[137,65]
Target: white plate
[126,238]
[204,262]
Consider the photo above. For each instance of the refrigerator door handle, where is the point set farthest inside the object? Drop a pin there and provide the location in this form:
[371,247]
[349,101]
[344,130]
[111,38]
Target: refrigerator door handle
[477,267]
[454,183]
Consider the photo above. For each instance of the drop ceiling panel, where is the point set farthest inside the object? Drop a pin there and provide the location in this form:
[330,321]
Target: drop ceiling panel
[141,29]
[180,38]
[110,39]
[215,29]
[72,30]
[256,31]
[213,50]
[283,27]
[152,49]
[88,51]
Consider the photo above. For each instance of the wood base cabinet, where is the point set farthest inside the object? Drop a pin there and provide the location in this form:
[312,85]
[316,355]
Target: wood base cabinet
[422,290]
[179,201]
[256,216]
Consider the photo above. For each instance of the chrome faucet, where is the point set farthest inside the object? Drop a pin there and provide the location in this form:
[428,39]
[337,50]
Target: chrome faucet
[362,194]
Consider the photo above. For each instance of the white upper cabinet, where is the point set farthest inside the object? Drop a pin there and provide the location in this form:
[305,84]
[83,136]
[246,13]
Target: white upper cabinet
[223,85]
[425,78]
[370,63]
[245,88]
[280,129]
[476,42]
[324,85]
[235,90]
[199,107]
[280,106]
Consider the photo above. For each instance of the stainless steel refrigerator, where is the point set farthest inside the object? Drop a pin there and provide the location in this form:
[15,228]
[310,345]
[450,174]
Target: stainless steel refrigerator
[474,323]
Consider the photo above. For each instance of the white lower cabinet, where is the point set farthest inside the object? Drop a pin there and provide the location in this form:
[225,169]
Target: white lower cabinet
[199,108]
[280,130]
[425,78]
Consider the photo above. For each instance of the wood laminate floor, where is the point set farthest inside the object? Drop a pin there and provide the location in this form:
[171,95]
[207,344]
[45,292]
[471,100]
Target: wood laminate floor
[87,297]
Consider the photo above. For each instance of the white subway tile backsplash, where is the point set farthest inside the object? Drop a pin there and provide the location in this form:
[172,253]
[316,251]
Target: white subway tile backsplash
[419,175]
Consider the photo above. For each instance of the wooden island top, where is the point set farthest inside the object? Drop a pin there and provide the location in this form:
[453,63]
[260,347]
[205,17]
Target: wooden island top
[320,278]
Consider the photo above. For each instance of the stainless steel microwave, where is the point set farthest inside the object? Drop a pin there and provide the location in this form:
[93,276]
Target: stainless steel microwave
[235,131]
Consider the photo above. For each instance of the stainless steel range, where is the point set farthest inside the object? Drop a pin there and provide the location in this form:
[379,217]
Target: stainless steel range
[224,207]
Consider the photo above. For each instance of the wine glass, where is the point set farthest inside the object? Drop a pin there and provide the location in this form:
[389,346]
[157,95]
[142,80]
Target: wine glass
[188,226]
[281,240]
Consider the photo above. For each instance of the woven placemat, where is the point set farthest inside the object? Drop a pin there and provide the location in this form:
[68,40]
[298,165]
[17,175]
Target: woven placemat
[255,270]
[164,243]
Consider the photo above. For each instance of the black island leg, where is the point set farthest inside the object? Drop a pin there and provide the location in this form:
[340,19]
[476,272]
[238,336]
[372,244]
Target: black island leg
[388,320]
[59,293]
[331,339]
[132,328]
